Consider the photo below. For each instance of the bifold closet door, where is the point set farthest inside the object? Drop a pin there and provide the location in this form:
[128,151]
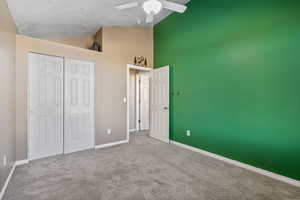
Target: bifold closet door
[79,106]
[45,106]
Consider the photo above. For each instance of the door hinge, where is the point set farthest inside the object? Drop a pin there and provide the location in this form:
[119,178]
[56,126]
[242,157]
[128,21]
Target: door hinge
[139,121]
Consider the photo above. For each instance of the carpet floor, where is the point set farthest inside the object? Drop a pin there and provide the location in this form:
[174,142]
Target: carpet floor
[144,169]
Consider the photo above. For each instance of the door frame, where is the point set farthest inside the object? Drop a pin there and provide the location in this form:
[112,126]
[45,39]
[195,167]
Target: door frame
[129,66]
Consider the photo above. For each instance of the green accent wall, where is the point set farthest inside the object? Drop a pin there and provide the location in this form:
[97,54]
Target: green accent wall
[235,80]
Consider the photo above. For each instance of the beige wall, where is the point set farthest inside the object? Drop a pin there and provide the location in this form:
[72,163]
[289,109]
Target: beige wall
[120,45]
[7,90]
[82,42]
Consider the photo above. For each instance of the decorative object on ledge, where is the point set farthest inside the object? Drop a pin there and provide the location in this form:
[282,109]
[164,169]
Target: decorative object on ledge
[140,61]
[95,47]
[97,44]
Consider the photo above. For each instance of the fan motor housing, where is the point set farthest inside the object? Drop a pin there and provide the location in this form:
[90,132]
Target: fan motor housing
[152,6]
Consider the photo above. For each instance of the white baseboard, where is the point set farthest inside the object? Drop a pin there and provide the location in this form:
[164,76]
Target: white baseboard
[240,164]
[7,181]
[17,163]
[22,162]
[111,144]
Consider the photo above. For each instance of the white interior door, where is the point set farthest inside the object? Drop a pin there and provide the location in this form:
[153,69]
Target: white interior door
[159,128]
[45,106]
[79,105]
[144,102]
[132,102]
[137,102]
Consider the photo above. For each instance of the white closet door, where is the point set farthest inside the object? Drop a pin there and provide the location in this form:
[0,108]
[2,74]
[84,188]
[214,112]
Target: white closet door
[145,102]
[159,128]
[79,105]
[45,106]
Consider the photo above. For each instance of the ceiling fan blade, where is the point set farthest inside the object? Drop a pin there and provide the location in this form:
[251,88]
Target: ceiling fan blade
[173,6]
[128,5]
[150,18]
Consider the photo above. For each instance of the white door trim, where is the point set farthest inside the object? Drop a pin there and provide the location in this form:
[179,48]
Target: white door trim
[127,92]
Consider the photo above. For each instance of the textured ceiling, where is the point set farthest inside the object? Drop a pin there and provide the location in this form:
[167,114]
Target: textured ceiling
[75,18]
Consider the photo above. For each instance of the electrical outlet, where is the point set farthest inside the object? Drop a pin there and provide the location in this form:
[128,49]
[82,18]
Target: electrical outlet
[4,161]
[188,133]
[108,131]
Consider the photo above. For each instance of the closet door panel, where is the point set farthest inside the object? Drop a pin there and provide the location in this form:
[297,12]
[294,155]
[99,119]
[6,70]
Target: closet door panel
[45,106]
[79,105]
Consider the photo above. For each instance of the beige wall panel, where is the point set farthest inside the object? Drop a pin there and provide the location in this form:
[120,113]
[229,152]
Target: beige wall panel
[82,42]
[7,90]
[120,45]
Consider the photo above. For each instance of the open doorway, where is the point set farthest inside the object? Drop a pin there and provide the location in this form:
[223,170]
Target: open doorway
[148,101]
[139,100]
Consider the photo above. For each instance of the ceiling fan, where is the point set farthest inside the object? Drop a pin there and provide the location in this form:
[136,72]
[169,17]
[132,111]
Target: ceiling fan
[153,7]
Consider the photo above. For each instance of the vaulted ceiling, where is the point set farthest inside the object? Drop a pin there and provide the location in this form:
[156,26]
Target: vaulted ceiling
[75,18]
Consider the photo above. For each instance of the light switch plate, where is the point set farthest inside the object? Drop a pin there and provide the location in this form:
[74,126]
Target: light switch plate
[4,161]
[188,133]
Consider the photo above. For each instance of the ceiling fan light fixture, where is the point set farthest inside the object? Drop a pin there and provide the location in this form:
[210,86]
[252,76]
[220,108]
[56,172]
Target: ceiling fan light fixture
[152,6]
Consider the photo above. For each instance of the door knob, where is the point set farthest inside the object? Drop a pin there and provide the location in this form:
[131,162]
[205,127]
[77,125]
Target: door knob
[166,108]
